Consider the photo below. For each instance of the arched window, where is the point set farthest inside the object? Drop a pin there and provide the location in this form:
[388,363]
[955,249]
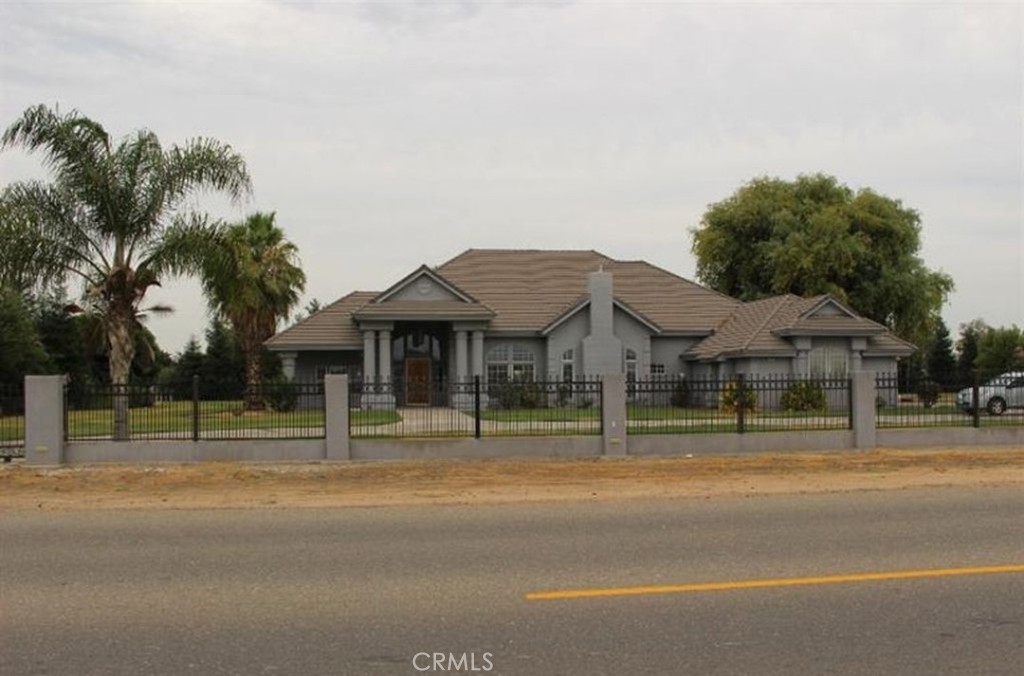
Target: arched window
[510,362]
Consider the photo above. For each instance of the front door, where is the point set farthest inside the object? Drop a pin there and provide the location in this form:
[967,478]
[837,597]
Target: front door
[417,381]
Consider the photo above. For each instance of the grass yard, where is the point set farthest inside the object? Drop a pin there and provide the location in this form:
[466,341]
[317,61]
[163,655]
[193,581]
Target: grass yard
[553,414]
[175,418]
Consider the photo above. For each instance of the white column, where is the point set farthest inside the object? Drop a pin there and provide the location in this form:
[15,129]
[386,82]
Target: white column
[385,355]
[478,353]
[461,357]
[802,363]
[369,358]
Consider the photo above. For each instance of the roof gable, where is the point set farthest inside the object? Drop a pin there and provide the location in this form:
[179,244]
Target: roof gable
[826,316]
[827,306]
[423,284]
[584,302]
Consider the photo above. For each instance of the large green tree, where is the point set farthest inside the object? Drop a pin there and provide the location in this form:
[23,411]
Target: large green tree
[21,350]
[252,279]
[940,361]
[114,214]
[814,235]
[967,348]
[1000,349]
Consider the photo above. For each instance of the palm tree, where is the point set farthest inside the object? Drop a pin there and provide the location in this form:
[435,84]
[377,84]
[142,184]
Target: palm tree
[114,215]
[252,280]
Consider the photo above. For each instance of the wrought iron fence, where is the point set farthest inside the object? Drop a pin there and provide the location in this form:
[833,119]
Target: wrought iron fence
[738,404]
[12,422]
[474,409]
[981,399]
[182,411]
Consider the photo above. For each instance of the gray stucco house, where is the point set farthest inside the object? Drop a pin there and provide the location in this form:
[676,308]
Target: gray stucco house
[528,314]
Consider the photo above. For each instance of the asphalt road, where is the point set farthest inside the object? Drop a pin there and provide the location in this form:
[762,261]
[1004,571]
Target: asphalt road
[364,591]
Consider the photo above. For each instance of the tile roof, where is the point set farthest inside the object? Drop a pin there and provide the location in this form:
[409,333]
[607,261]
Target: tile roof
[758,327]
[330,328]
[529,289]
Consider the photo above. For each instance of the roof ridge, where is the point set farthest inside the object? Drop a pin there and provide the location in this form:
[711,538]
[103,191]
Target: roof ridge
[771,316]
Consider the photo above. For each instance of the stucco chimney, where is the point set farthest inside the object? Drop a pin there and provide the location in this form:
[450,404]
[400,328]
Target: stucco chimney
[599,284]
[602,351]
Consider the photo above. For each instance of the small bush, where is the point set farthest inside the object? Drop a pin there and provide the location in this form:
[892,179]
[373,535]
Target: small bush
[680,394]
[805,395]
[517,394]
[928,392]
[281,395]
[731,398]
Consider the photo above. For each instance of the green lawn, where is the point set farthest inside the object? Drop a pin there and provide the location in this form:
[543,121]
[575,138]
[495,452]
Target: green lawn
[637,412]
[12,428]
[214,416]
[553,414]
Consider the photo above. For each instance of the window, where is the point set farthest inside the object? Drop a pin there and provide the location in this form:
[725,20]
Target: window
[630,373]
[829,362]
[630,365]
[509,362]
[568,365]
[657,369]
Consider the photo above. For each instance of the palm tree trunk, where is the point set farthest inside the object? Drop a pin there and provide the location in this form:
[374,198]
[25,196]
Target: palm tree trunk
[122,351]
[253,376]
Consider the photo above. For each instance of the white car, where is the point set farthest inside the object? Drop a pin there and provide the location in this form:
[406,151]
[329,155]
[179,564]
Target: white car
[997,395]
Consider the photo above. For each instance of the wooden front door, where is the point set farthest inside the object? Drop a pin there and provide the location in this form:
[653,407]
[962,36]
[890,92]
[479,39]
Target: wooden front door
[417,381]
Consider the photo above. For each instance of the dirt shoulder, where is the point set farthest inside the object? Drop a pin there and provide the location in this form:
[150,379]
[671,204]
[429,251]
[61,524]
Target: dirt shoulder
[236,485]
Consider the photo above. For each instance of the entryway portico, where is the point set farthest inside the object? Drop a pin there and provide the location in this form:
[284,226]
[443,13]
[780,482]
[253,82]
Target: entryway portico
[413,360]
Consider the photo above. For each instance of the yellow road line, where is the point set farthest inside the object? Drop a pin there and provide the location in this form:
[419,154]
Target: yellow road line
[778,582]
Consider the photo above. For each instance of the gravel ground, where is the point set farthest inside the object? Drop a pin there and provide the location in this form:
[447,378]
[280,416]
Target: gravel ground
[237,485]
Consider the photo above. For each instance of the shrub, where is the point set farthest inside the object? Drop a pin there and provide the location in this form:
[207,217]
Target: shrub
[281,395]
[680,394]
[564,393]
[731,398]
[805,395]
[928,392]
[517,394]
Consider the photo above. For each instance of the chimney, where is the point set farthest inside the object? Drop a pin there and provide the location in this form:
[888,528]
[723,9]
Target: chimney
[599,284]
[602,351]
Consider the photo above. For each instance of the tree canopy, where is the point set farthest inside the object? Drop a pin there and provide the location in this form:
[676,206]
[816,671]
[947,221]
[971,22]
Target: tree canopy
[1000,349]
[252,279]
[21,350]
[814,235]
[114,215]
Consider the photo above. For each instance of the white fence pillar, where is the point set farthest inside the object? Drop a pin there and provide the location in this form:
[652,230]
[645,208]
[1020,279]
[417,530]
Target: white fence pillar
[44,420]
[863,399]
[336,417]
[613,414]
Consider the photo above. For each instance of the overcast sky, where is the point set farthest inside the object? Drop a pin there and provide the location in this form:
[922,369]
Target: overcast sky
[390,134]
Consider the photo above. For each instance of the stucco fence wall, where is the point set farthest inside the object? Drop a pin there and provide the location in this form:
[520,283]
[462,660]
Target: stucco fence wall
[45,439]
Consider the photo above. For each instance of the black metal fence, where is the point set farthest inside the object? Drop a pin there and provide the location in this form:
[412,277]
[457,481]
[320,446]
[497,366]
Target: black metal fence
[738,404]
[475,409]
[980,399]
[12,422]
[184,411]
